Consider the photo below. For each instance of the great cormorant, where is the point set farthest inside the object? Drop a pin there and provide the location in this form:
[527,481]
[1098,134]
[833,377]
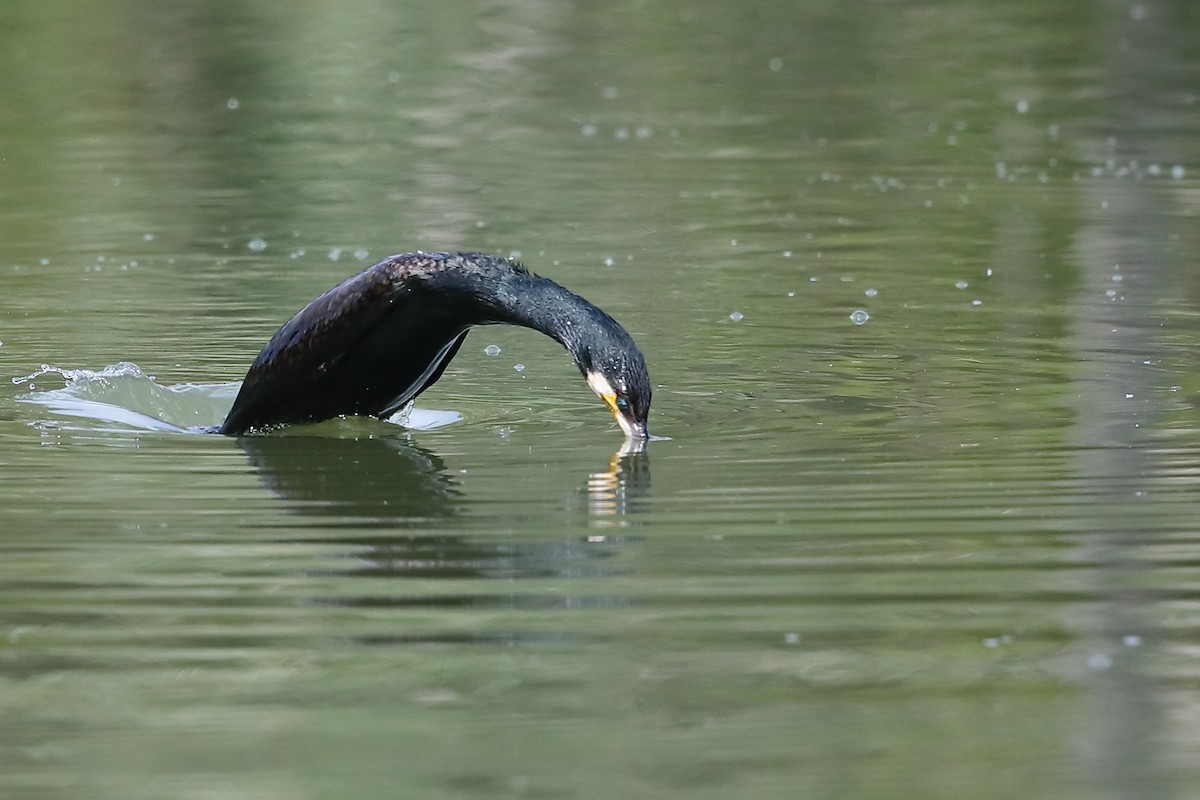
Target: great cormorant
[375,341]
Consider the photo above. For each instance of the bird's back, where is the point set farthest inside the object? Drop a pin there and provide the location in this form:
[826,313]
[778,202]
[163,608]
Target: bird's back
[360,347]
[378,339]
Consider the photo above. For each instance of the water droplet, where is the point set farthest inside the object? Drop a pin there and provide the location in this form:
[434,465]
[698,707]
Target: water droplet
[608,261]
[519,367]
[1022,106]
[1099,662]
[393,77]
[643,132]
[148,237]
[492,350]
[775,64]
[588,130]
[859,317]
[791,638]
[361,253]
[257,245]
[335,253]
[787,253]
[1177,172]
[1131,640]
[871,292]
[232,103]
[791,294]
[737,316]
[611,93]
[961,284]
[976,302]
[621,133]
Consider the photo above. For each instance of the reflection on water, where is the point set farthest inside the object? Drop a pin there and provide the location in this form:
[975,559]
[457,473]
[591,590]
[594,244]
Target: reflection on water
[368,480]
[388,480]
[395,487]
[621,490]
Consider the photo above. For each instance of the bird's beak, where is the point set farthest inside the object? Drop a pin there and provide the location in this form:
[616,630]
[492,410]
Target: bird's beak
[633,429]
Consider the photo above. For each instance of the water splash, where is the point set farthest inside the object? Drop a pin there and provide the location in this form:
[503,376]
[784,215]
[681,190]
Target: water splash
[123,398]
[423,419]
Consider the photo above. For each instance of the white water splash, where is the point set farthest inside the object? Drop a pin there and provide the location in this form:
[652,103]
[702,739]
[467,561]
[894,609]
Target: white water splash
[423,419]
[123,398]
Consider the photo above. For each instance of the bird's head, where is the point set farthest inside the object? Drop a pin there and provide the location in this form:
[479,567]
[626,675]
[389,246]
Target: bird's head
[619,377]
[604,352]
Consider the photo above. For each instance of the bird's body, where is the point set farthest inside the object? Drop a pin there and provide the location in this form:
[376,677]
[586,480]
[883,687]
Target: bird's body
[377,340]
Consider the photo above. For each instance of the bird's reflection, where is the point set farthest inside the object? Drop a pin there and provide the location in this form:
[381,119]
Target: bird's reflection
[621,491]
[388,501]
[369,479]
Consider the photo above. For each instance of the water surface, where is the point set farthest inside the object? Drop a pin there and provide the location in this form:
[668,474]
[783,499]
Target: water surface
[948,552]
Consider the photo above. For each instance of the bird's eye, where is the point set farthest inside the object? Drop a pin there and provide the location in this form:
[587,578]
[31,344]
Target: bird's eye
[622,404]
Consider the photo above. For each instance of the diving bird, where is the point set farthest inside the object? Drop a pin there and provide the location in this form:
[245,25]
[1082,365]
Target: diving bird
[377,340]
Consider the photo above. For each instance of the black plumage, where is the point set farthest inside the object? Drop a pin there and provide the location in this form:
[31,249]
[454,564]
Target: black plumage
[377,340]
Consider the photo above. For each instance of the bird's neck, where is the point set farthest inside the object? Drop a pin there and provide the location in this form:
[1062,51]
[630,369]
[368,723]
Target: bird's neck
[541,304]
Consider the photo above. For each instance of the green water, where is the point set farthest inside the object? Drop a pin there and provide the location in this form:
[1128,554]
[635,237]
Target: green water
[949,552]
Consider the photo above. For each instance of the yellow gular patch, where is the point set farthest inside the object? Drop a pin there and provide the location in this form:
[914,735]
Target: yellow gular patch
[604,391]
[600,385]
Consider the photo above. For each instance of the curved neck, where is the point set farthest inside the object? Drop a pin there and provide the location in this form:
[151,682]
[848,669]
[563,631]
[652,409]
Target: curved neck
[539,303]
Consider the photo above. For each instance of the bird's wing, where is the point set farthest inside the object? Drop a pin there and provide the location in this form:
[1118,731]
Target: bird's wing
[310,346]
[427,378]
